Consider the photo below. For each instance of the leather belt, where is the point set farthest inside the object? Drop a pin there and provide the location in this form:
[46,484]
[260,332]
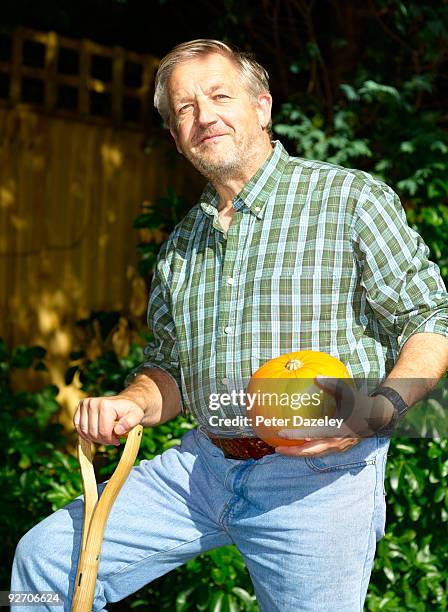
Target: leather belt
[241,448]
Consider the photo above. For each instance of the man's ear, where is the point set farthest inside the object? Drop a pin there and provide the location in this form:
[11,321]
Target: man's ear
[263,108]
[176,140]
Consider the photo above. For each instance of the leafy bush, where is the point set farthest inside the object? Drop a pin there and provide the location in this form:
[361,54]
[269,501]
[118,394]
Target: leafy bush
[379,128]
[37,475]
[409,571]
[103,373]
[432,225]
[161,215]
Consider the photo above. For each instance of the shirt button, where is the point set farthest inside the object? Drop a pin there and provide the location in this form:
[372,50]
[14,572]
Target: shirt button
[225,381]
[227,330]
[257,209]
[229,280]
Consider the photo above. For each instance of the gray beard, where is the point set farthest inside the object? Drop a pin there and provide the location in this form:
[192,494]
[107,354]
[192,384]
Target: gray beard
[213,172]
[219,171]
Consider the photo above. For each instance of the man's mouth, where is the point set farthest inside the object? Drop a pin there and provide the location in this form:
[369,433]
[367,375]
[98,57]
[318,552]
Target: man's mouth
[211,137]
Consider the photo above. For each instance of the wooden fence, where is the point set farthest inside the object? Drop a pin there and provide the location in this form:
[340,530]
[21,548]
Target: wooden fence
[77,78]
[70,186]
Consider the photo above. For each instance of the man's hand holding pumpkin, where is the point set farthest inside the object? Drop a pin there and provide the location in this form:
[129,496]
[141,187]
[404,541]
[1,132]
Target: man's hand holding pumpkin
[361,417]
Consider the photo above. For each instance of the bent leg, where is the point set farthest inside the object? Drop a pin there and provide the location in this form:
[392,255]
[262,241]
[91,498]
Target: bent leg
[162,517]
[308,529]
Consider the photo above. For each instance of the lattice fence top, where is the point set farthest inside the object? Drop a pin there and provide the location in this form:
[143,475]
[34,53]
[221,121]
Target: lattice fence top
[77,78]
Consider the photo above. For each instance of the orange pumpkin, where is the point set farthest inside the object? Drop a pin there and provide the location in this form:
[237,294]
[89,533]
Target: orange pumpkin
[284,389]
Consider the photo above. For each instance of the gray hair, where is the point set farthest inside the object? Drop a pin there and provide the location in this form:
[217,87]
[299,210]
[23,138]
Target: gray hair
[253,76]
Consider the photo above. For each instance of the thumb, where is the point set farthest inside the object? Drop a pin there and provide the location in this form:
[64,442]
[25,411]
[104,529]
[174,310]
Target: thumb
[342,392]
[329,384]
[127,422]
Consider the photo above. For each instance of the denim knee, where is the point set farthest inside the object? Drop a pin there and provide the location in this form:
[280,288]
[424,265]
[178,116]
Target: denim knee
[32,546]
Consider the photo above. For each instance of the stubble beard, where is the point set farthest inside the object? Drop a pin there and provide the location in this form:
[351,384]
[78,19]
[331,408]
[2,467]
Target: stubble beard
[220,167]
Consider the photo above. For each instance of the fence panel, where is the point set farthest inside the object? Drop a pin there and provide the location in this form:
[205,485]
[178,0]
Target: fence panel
[71,184]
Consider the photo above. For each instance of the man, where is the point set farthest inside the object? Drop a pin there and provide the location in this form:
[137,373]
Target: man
[281,254]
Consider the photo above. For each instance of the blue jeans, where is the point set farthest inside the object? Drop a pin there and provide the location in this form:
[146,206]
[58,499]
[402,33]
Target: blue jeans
[306,527]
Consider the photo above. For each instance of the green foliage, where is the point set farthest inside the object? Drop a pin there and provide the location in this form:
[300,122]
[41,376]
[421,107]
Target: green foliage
[432,225]
[378,127]
[106,373]
[337,146]
[37,476]
[411,560]
[161,215]
[386,114]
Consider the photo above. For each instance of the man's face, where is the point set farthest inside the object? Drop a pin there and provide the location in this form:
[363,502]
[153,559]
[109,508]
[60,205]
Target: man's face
[214,121]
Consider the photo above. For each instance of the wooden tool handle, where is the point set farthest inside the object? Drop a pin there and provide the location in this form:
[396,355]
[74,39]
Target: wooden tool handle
[96,514]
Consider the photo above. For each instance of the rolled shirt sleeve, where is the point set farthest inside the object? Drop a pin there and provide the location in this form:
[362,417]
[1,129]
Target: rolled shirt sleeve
[403,287]
[162,351]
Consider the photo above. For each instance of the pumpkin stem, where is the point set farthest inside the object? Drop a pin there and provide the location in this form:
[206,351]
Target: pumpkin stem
[294,364]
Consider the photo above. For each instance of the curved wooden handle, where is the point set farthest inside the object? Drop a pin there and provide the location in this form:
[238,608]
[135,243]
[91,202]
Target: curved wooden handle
[96,514]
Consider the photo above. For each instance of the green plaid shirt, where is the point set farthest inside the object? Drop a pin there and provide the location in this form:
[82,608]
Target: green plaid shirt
[317,257]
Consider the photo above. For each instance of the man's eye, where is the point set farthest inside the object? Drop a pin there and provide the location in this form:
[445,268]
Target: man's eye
[221,96]
[184,108]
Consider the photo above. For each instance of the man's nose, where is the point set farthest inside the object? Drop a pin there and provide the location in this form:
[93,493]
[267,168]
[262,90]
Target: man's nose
[205,113]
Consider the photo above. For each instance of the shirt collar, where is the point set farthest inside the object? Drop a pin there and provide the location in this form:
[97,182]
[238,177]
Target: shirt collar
[256,192]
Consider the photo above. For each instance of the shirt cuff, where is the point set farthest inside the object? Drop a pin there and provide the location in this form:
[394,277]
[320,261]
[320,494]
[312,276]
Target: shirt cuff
[148,365]
[436,325]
